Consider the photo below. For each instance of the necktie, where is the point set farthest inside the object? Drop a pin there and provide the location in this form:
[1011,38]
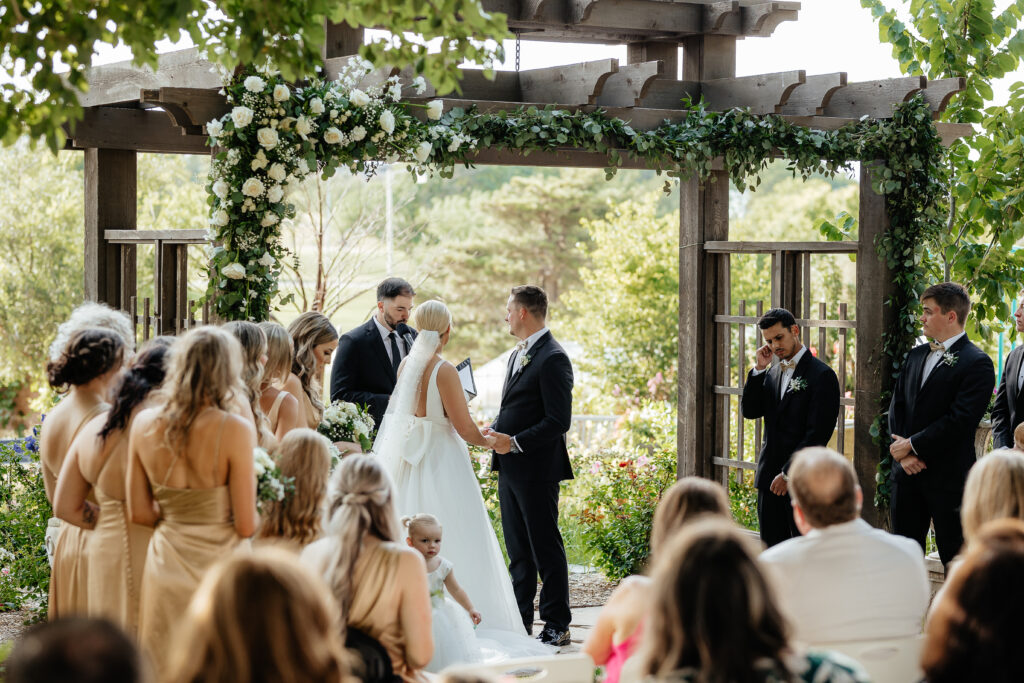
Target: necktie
[935,346]
[396,355]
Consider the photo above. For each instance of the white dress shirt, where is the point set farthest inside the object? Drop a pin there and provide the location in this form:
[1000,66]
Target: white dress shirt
[384,334]
[933,358]
[787,374]
[850,581]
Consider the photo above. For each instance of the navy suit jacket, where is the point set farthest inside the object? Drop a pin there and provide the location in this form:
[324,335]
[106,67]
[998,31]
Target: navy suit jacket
[362,372]
[1008,411]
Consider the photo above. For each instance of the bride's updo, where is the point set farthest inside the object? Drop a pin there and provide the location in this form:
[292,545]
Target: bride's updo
[433,316]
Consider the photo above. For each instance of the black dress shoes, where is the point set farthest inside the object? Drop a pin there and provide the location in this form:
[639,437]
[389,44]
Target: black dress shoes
[553,636]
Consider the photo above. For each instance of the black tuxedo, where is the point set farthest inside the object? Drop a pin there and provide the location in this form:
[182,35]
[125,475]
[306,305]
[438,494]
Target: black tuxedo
[362,372]
[794,420]
[536,409]
[1008,411]
[940,418]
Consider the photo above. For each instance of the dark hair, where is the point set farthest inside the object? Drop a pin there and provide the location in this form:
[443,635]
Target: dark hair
[146,373]
[824,484]
[533,299]
[89,353]
[950,296]
[74,649]
[392,287]
[776,315]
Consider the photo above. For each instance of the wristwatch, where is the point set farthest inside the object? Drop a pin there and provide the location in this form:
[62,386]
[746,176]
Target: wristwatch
[785,477]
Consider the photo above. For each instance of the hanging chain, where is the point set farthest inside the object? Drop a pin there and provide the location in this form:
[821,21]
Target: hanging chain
[518,33]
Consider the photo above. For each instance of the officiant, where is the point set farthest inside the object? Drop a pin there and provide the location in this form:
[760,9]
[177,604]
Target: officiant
[366,364]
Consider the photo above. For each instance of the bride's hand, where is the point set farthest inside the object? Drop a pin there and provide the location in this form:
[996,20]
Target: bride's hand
[490,441]
[348,447]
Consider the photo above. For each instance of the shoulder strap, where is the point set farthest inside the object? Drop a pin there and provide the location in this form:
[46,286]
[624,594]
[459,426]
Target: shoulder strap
[96,410]
[110,451]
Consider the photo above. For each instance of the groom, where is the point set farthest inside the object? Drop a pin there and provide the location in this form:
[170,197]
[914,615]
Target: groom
[531,457]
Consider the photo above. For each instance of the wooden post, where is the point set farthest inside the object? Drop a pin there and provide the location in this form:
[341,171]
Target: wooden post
[341,40]
[873,371]
[110,204]
[637,53]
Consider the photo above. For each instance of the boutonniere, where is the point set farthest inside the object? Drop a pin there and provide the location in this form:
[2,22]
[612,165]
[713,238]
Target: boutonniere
[797,384]
[524,360]
[950,359]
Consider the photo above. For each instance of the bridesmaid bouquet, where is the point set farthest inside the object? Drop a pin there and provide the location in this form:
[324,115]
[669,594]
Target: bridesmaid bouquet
[271,485]
[344,421]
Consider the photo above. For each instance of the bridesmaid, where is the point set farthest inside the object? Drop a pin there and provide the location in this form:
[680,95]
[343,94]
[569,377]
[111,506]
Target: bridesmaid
[380,584]
[191,476]
[254,358]
[89,366]
[305,456]
[281,408]
[96,464]
[315,340]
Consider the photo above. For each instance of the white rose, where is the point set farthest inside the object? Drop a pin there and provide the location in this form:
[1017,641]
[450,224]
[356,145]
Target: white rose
[420,84]
[358,98]
[269,219]
[235,271]
[281,92]
[275,194]
[220,218]
[358,133]
[214,128]
[316,105]
[434,109]
[221,189]
[254,84]
[303,127]
[259,161]
[242,116]
[387,121]
[253,187]
[277,172]
[332,136]
[267,137]
[422,152]
[267,260]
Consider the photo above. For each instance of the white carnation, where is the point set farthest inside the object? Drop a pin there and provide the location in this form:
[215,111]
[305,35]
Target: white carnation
[253,187]
[281,92]
[420,84]
[214,128]
[242,116]
[358,133]
[358,98]
[422,152]
[387,121]
[220,218]
[395,91]
[235,271]
[267,137]
[332,136]
[275,194]
[267,260]
[316,105]
[254,84]
[221,189]
[277,172]
[434,109]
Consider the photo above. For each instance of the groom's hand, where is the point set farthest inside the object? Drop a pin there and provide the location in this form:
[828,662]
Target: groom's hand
[502,442]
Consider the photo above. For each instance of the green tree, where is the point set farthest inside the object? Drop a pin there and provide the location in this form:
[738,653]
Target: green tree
[37,101]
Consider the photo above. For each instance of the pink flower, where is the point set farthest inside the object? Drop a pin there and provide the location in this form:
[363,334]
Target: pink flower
[5,571]
[595,467]
[642,461]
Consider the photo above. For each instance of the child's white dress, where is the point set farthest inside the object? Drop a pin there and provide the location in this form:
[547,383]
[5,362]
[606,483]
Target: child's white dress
[457,641]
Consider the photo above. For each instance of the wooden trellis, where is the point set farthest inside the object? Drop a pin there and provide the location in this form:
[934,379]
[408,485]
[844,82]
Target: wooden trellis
[683,48]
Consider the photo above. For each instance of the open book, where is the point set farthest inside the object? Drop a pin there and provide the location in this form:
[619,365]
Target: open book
[465,369]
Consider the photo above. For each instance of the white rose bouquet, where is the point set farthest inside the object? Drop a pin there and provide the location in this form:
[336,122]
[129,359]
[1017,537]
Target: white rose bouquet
[345,421]
[271,485]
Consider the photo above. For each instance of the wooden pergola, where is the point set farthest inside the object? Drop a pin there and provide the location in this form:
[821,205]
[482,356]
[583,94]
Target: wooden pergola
[130,110]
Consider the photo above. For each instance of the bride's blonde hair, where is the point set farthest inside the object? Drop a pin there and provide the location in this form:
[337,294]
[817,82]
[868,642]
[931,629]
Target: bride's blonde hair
[433,316]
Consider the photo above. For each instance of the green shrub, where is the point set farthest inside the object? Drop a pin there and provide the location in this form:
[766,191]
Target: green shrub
[743,501]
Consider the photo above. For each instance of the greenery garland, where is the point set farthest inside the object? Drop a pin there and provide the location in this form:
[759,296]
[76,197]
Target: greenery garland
[277,134]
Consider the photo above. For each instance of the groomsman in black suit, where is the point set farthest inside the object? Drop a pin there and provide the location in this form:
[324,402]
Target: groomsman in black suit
[365,366]
[1008,411]
[531,458]
[939,399]
[798,398]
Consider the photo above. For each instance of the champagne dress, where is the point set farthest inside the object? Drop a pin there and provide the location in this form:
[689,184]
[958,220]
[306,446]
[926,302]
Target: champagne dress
[195,530]
[117,554]
[69,575]
[308,411]
[272,415]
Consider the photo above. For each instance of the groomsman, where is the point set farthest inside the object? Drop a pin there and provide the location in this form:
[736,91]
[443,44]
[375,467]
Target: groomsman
[365,366]
[798,398]
[939,399]
[1008,411]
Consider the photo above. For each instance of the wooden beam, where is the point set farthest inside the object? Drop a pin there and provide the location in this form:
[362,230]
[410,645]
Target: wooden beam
[758,19]
[571,84]
[110,202]
[763,94]
[189,108]
[940,92]
[873,98]
[651,51]
[627,87]
[121,81]
[334,65]
[663,93]
[812,96]
[749,247]
[133,129]
[716,14]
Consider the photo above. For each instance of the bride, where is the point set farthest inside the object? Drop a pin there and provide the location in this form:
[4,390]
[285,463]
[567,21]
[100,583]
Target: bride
[422,444]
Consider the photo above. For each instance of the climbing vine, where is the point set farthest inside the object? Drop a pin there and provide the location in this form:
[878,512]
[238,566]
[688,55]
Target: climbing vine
[276,134]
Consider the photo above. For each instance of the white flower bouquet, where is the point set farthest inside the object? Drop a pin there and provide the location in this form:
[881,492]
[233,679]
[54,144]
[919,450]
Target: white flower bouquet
[271,485]
[344,421]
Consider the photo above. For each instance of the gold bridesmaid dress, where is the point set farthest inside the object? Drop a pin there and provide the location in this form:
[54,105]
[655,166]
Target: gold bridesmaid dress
[195,530]
[309,411]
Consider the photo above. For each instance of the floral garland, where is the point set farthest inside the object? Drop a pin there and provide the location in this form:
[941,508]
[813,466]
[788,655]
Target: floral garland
[277,134]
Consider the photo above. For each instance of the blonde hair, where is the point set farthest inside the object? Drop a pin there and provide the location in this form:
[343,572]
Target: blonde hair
[1018,437]
[420,519]
[204,371]
[684,501]
[279,352]
[994,490]
[93,314]
[308,330]
[304,455]
[254,345]
[360,503]
[260,615]
[433,316]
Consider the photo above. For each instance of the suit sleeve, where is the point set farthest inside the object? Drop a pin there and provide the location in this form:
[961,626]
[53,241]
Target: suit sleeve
[556,394]
[966,410]
[752,403]
[897,405]
[1002,434]
[821,419]
[345,374]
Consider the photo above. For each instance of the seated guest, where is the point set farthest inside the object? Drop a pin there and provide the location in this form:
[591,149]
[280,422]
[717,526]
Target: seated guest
[974,630]
[617,632]
[380,584]
[1018,434]
[714,619]
[74,649]
[305,457]
[994,490]
[843,579]
[260,616]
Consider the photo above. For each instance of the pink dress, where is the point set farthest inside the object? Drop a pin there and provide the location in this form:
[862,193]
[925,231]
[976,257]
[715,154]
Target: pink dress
[619,654]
